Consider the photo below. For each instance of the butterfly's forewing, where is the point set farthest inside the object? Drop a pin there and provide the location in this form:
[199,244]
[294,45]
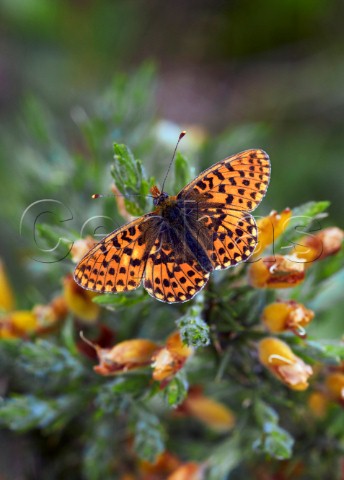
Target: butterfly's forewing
[172,273]
[223,195]
[239,182]
[116,264]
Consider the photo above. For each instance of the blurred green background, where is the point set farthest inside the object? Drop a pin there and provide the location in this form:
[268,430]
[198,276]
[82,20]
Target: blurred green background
[270,72]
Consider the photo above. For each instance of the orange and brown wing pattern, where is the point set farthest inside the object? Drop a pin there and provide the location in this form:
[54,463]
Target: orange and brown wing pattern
[117,263]
[233,236]
[239,182]
[172,275]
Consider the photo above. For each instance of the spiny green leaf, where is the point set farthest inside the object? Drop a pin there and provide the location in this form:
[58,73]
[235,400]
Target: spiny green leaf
[176,390]
[120,301]
[45,360]
[302,221]
[149,435]
[275,441]
[127,173]
[24,412]
[193,330]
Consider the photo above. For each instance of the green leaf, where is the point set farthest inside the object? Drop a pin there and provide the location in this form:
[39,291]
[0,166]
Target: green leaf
[176,390]
[149,435]
[324,351]
[225,458]
[182,172]
[25,412]
[116,394]
[120,301]
[48,362]
[193,330]
[302,220]
[275,441]
[127,173]
[101,443]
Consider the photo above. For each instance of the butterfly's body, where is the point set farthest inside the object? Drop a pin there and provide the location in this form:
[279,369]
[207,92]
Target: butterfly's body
[180,222]
[206,227]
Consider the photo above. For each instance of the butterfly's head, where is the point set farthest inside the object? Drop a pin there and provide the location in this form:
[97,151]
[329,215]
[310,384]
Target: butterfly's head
[158,197]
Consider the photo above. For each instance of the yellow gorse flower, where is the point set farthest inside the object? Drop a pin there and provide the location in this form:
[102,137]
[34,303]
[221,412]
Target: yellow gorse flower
[171,358]
[287,315]
[212,413]
[270,228]
[278,357]
[277,272]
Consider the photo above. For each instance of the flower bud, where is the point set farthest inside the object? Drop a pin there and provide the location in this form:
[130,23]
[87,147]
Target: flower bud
[18,324]
[125,356]
[318,404]
[214,414]
[79,301]
[188,471]
[270,228]
[316,247]
[284,364]
[277,272]
[287,315]
[81,247]
[335,386]
[171,358]
[6,293]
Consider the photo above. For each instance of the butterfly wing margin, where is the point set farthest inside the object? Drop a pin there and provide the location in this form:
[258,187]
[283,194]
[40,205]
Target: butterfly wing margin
[237,182]
[116,263]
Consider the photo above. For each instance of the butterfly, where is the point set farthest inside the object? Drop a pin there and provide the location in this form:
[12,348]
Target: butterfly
[173,249]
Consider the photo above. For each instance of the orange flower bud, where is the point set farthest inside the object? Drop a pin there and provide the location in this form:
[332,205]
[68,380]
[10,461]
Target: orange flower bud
[277,272]
[171,358]
[335,386]
[188,471]
[214,414]
[165,464]
[18,324]
[81,247]
[316,247]
[318,404]
[270,228]
[284,364]
[125,356]
[6,293]
[79,300]
[288,315]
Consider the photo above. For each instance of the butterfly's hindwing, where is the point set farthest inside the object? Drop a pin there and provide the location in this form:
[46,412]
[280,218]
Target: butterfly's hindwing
[173,273]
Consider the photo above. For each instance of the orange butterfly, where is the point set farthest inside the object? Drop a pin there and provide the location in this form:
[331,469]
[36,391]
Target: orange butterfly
[173,249]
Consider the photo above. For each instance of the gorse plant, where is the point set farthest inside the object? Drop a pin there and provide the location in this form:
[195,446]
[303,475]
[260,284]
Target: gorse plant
[237,383]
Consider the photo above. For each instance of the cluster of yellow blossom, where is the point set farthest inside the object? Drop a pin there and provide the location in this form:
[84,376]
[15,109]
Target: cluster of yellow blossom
[43,319]
[286,271]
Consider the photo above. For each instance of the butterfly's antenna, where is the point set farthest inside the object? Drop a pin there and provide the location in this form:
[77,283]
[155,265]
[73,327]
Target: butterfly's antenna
[182,134]
[99,195]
